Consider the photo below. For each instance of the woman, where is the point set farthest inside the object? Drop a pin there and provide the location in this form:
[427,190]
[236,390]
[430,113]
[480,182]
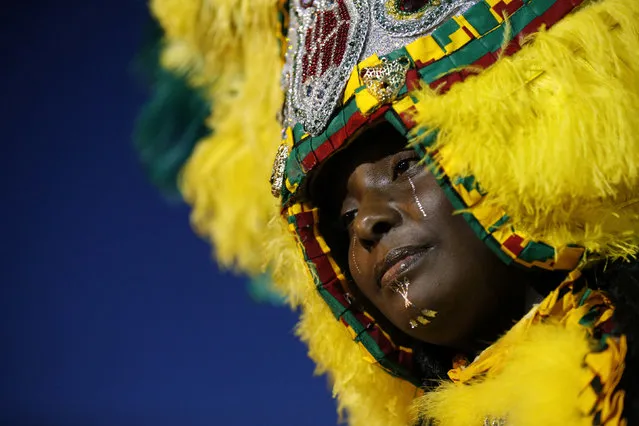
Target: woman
[457,181]
[470,228]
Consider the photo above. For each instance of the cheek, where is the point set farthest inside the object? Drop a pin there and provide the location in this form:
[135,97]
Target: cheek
[425,200]
[462,283]
[458,279]
[361,267]
[353,264]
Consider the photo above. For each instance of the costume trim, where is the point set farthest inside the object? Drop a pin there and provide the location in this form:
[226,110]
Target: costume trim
[580,311]
[476,38]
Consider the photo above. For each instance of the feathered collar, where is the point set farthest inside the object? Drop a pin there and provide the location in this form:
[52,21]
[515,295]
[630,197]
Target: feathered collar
[559,365]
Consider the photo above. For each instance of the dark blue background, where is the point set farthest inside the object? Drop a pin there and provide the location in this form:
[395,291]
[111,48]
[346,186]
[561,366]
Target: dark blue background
[112,311]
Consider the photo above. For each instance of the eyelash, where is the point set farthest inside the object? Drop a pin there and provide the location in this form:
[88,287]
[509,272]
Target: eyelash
[347,218]
[405,162]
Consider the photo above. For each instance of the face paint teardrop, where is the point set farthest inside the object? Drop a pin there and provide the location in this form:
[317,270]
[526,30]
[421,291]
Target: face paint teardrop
[353,255]
[419,204]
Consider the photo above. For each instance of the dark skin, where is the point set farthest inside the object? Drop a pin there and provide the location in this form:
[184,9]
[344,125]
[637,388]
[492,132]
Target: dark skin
[397,226]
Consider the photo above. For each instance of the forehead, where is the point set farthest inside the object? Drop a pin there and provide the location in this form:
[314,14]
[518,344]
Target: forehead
[328,184]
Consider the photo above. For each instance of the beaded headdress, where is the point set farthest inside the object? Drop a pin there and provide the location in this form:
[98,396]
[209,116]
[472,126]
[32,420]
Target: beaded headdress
[332,93]
[327,38]
[348,66]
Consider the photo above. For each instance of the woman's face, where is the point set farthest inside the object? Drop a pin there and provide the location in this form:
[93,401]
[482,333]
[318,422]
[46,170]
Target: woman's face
[410,256]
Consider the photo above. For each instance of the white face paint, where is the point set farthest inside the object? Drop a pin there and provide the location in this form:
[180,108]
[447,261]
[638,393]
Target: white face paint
[419,204]
[424,317]
[353,255]
[401,288]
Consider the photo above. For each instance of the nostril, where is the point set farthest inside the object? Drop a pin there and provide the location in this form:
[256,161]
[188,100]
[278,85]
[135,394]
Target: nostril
[367,244]
[381,228]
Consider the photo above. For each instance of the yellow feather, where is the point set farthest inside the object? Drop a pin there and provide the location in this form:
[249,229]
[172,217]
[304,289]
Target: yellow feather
[552,133]
[540,384]
[231,49]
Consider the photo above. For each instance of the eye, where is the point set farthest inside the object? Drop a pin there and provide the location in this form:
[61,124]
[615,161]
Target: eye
[347,218]
[405,162]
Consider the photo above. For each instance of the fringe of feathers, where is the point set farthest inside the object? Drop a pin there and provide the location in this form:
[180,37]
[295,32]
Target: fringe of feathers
[552,133]
[231,50]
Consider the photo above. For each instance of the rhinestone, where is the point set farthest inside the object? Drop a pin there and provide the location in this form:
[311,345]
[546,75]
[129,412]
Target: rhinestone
[327,44]
[279,167]
[385,80]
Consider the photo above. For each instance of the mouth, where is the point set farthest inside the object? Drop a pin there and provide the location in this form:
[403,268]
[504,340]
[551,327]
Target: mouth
[397,262]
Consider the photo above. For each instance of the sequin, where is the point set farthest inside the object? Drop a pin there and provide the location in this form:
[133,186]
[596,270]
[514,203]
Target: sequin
[327,39]
[385,80]
[417,18]
[279,165]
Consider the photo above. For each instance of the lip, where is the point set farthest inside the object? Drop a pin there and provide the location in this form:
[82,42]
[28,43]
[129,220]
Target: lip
[396,262]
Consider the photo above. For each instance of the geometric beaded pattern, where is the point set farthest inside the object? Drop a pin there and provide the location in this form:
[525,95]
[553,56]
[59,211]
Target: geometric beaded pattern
[326,38]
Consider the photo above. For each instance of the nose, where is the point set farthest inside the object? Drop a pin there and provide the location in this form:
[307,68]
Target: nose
[376,217]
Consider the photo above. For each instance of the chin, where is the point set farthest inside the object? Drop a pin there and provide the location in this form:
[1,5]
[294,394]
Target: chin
[436,337]
[449,329]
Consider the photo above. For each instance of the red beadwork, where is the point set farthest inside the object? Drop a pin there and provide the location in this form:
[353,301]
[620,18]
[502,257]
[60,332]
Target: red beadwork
[309,162]
[313,249]
[385,345]
[304,219]
[325,43]
[324,150]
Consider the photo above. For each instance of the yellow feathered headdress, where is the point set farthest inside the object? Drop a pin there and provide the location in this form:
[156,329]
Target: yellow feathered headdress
[527,110]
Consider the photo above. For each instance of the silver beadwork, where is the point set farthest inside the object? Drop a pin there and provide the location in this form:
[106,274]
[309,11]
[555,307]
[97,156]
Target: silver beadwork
[419,203]
[314,32]
[323,57]
[421,22]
